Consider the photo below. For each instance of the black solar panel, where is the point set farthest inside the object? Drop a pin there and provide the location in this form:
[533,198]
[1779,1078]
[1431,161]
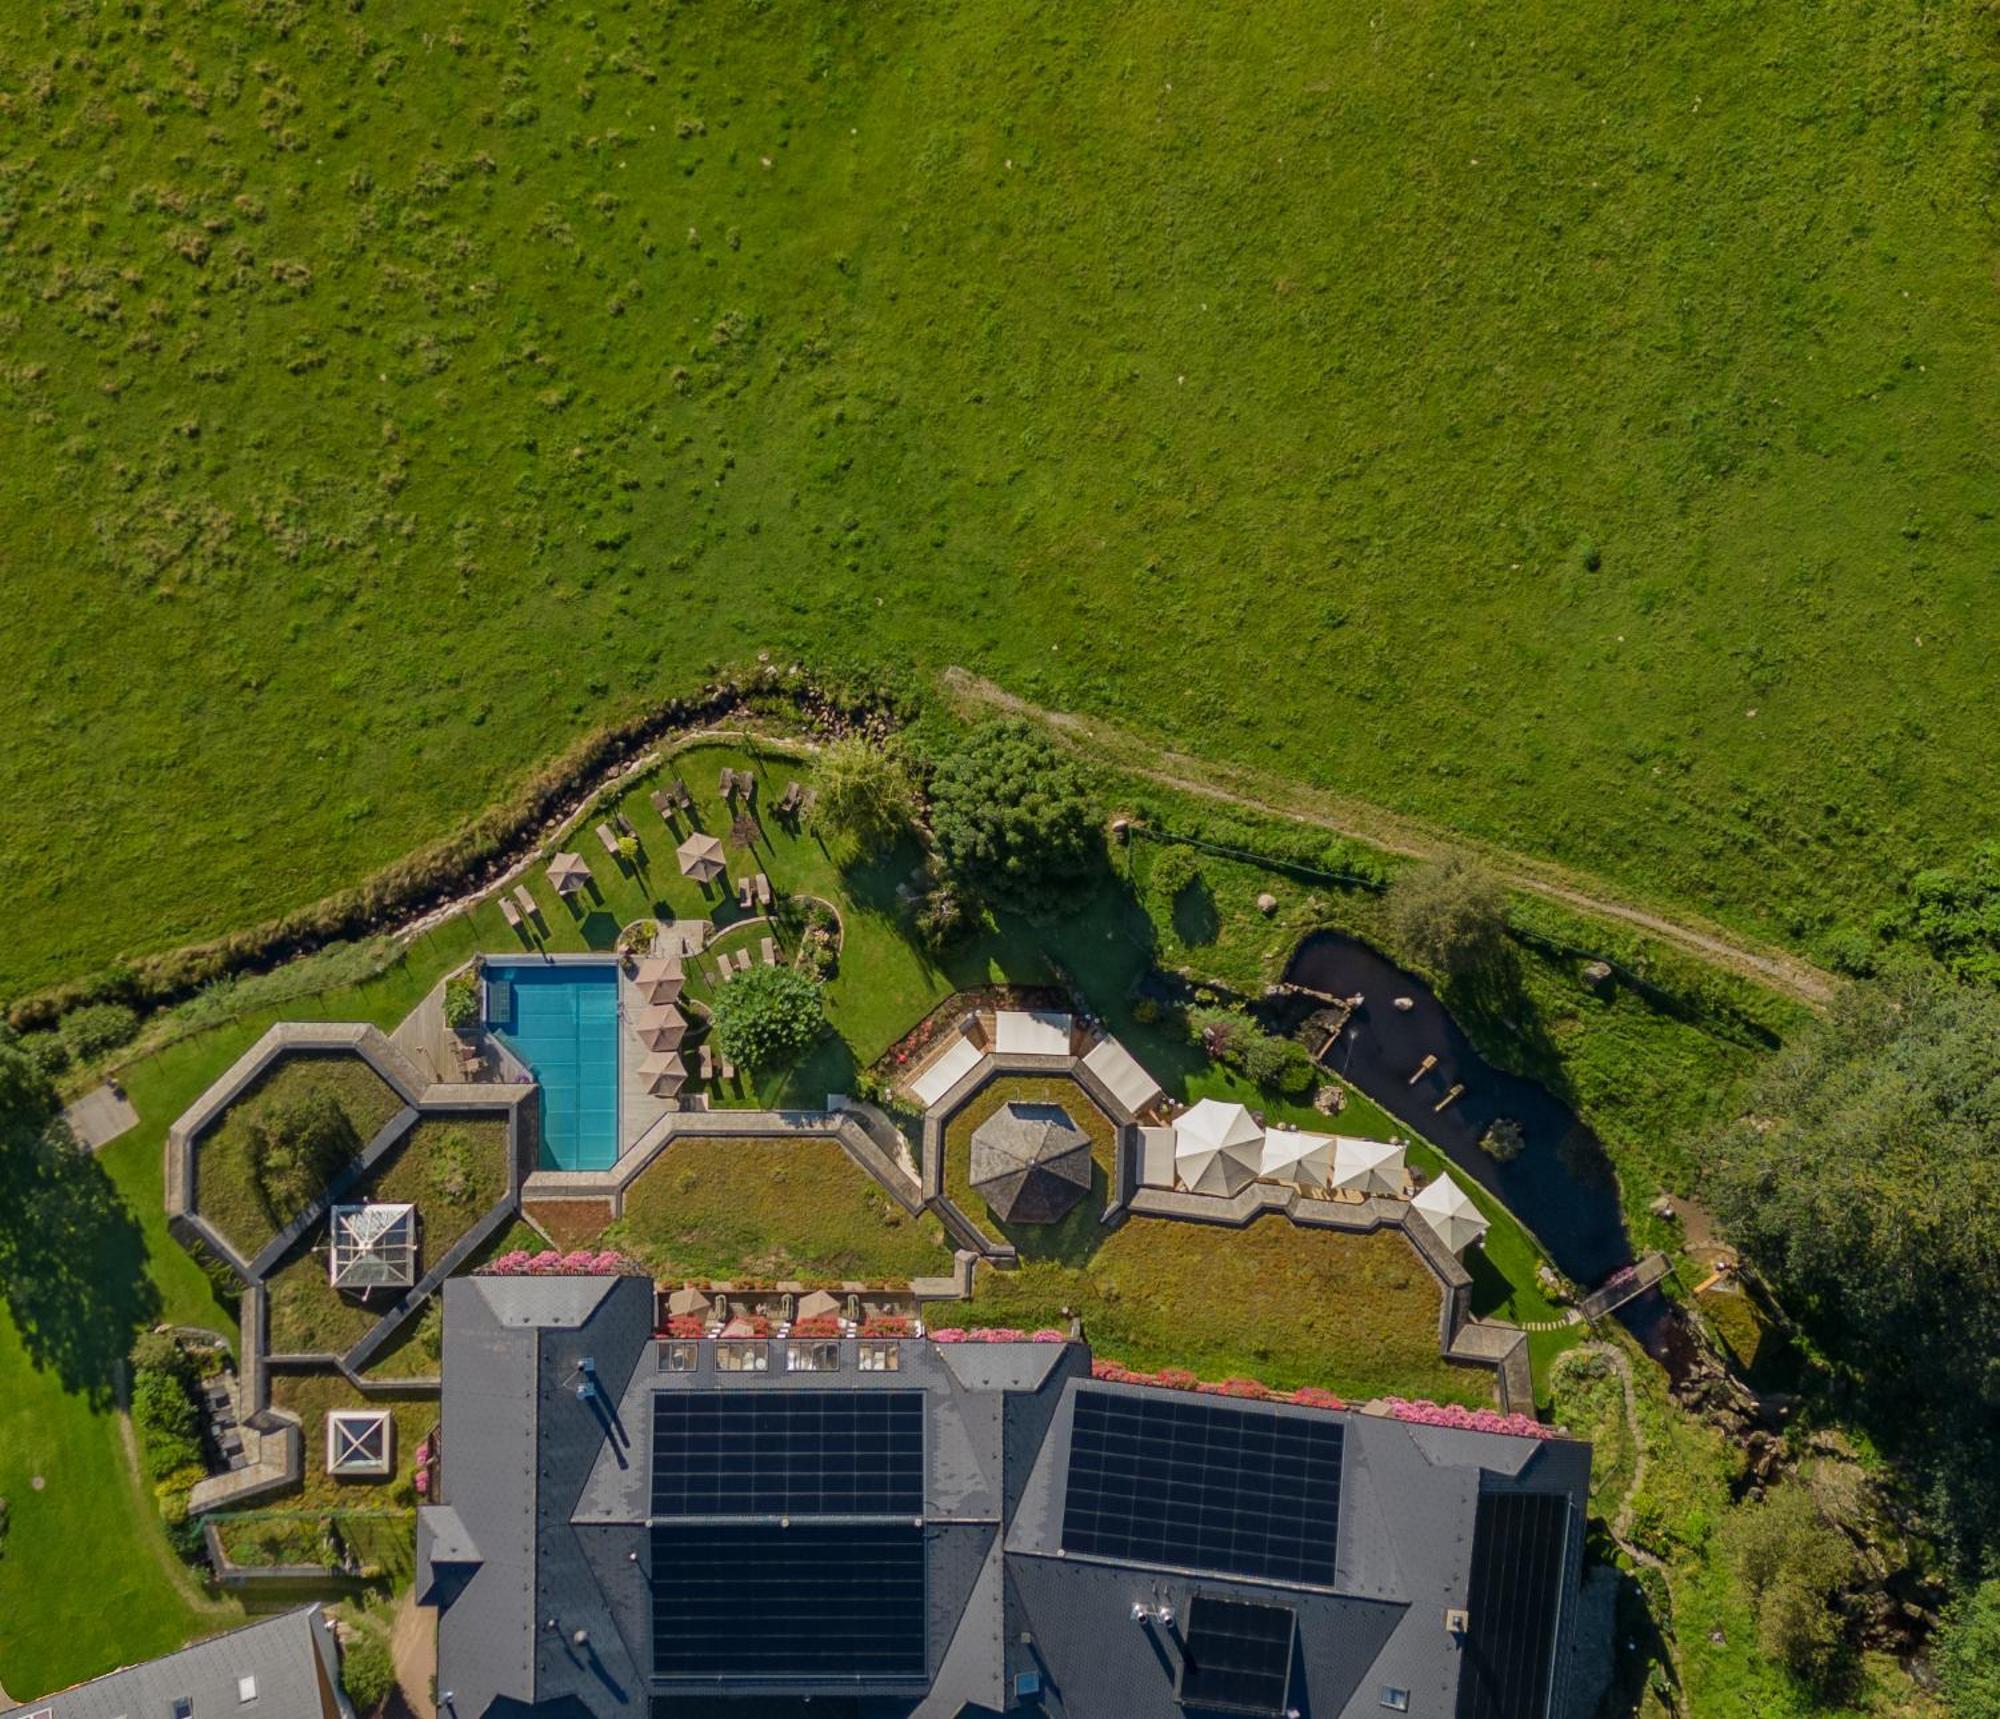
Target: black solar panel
[1238,1657]
[1202,1485]
[788,1453]
[1520,1540]
[817,1602]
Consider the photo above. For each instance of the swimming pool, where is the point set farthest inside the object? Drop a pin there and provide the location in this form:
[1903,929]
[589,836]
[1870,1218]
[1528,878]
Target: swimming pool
[561,1019]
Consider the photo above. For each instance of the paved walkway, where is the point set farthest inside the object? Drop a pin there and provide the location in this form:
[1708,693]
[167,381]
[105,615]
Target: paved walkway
[98,1118]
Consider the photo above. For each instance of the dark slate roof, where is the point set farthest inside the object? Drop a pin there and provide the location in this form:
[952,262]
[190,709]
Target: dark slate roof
[292,1658]
[543,1531]
[1030,1162]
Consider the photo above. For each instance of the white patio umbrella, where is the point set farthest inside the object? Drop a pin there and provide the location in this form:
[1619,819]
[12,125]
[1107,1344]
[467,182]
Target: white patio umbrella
[1368,1166]
[1292,1155]
[818,1305]
[1449,1210]
[1218,1148]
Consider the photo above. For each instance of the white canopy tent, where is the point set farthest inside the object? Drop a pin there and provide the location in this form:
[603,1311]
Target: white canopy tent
[1123,1076]
[960,1058]
[1218,1148]
[1452,1216]
[1292,1155]
[1368,1166]
[1023,1032]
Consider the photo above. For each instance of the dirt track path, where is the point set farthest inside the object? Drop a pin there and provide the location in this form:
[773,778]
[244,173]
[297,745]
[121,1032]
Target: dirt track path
[1259,792]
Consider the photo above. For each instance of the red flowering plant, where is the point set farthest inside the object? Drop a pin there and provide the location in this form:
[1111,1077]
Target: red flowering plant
[686,1326]
[825,1325]
[886,1325]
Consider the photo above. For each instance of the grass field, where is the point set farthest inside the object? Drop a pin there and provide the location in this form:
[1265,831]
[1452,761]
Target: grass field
[1574,424]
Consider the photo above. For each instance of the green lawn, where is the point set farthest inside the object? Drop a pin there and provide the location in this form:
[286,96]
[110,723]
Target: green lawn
[1272,1302]
[1572,423]
[770,1209]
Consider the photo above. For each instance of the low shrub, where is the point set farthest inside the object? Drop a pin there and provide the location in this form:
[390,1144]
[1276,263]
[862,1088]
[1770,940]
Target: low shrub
[48,1050]
[169,1422]
[97,1028]
[1234,1040]
[461,1000]
[297,1146]
[367,1672]
[1173,874]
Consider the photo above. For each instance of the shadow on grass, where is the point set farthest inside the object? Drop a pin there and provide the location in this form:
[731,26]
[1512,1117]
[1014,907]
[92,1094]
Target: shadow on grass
[599,929]
[72,1263]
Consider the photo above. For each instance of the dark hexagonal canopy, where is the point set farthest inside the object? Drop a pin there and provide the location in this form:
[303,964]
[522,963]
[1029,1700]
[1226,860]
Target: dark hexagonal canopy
[1030,1163]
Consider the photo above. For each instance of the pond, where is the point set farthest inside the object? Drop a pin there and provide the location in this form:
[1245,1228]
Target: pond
[1561,1185]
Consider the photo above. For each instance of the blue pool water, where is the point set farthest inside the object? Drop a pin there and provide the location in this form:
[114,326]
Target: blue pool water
[562,1021]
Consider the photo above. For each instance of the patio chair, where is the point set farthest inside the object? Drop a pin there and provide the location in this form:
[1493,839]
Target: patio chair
[770,952]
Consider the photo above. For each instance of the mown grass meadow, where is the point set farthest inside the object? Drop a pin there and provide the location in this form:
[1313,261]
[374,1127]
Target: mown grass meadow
[1572,424]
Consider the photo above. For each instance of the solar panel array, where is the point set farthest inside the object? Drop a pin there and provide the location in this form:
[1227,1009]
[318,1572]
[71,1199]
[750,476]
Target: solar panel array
[1238,1657]
[788,1453]
[1201,1485]
[1520,1542]
[815,1602]
[788,1545]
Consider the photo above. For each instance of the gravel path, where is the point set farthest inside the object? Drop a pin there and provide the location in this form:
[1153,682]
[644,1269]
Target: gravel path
[1405,836]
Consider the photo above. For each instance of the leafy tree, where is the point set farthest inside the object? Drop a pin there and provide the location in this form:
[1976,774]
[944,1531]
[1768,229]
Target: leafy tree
[1863,1180]
[1448,915]
[1236,1041]
[297,1145]
[367,1672]
[169,1423]
[1014,822]
[1174,872]
[767,1016]
[864,794]
[1794,1563]
[1956,914]
[1968,1654]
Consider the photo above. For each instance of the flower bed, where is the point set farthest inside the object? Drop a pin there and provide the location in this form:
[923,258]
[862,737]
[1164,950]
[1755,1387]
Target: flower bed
[1313,1397]
[888,1325]
[549,1263]
[997,1334]
[826,1325]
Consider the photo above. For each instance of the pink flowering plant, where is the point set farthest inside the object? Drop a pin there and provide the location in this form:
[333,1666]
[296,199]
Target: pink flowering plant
[583,1262]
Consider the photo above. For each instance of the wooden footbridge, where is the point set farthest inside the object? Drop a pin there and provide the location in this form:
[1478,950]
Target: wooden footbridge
[1625,1286]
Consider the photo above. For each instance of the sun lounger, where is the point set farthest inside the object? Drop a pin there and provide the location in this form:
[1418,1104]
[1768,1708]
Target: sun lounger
[524,901]
[746,894]
[609,837]
[704,1063]
[624,824]
[682,798]
[770,952]
[663,803]
[746,785]
[763,890]
[725,784]
[788,802]
[508,911]
[728,1069]
[742,960]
